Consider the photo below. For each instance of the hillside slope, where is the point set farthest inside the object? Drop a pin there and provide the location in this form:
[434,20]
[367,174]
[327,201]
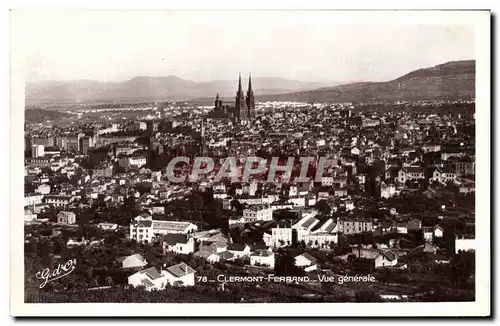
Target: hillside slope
[451,80]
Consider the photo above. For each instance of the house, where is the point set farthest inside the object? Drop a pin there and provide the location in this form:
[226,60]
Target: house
[354,225]
[179,275]
[401,227]
[393,296]
[327,181]
[257,213]
[43,189]
[438,231]
[65,217]
[108,226]
[178,243]
[340,192]
[132,261]
[465,167]
[280,236]
[380,258]
[428,233]
[263,257]
[33,199]
[209,256]
[349,205]
[132,161]
[465,243]
[306,262]
[467,187]
[321,240]
[414,224]
[236,220]
[74,242]
[238,250]
[58,200]
[226,255]
[444,175]
[386,258]
[410,173]
[144,229]
[387,190]
[213,246]
[149,278]
[425,248]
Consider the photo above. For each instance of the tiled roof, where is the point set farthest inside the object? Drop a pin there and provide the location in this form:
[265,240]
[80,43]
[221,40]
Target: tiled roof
[236,247]
[309,257]
[226,255]
[389,255]
[173,239]
[181,269]
[144,224]
[147,282]
[151,272]
[174,226]
[262,253]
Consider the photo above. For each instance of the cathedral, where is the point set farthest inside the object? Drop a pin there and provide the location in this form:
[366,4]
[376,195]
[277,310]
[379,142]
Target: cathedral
[240,111]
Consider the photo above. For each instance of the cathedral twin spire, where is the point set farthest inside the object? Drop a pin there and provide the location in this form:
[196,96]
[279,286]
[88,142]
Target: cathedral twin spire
[245,106]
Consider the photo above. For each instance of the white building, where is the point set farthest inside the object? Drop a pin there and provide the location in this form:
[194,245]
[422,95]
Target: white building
[327,181]
[180,275]
[262,257]
[178,243]
[43,189]
[257,213]
[149,278]
[387,191]
[132,261]
[145,229]
[465,243]
[37,151]
[108,226]
[58,200]
[33,199]
[306,262]
[66,218]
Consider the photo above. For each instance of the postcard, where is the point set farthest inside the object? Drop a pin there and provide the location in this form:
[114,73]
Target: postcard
[250,163]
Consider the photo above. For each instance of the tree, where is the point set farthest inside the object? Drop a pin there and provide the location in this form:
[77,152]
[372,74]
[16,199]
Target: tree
[323,207]
[366,296]
[196,202]
[285,265]
[236,205]
[109,281]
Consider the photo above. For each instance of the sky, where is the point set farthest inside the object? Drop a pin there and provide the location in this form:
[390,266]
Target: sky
[207,45]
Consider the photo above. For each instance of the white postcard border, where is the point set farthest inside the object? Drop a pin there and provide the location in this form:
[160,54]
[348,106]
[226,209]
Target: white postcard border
[480,307]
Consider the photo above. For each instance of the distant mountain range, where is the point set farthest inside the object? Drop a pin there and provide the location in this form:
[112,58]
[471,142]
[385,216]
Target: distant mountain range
[154,89]
[451,80]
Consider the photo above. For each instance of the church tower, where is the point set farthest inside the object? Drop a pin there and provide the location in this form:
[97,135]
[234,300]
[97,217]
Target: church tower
[250,101]
[203,141]
[240,107]
[217,102]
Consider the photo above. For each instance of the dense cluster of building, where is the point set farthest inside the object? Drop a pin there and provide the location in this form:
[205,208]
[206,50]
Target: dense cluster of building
[368,156]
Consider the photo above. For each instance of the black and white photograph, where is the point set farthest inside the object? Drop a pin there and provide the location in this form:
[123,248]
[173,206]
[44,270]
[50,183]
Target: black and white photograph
[261,158]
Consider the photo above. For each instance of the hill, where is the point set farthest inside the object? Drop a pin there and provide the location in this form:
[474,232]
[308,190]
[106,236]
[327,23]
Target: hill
[38,115]
[451,80]
[143,88]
